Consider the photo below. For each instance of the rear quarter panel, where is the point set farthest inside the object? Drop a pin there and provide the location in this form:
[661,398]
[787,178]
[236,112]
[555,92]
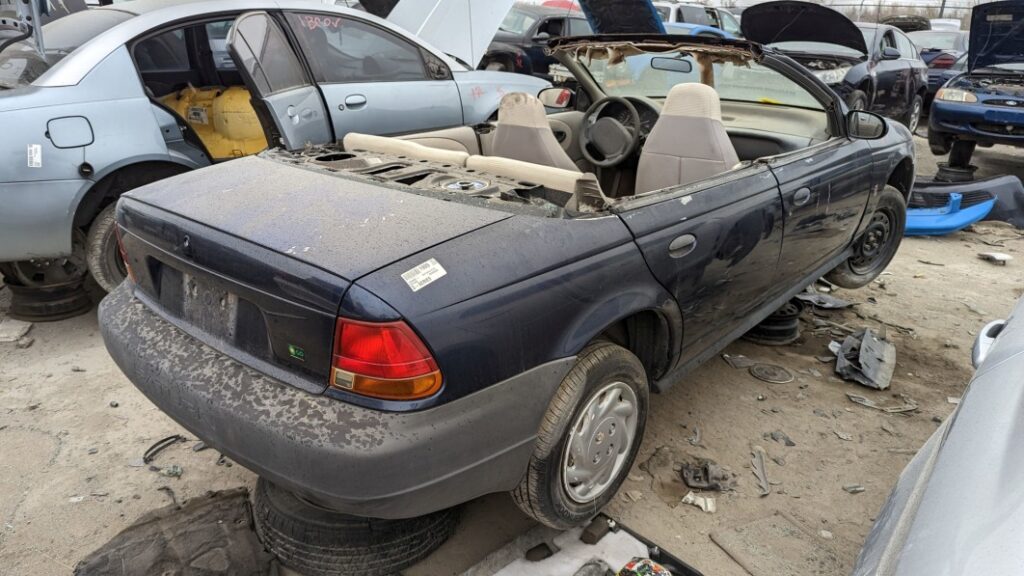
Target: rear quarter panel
[519,293]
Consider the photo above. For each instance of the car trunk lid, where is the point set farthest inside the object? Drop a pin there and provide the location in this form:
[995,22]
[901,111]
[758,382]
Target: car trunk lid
[253,258]
[792,21]
[997,34]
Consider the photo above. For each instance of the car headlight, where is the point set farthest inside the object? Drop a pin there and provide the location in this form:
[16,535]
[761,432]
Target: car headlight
[955,95]
[832,76]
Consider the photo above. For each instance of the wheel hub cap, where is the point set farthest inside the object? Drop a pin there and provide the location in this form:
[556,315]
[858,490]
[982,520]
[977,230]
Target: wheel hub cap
[600,441]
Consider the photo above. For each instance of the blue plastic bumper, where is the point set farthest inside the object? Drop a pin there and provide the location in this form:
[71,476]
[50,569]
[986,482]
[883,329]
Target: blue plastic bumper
[946,219]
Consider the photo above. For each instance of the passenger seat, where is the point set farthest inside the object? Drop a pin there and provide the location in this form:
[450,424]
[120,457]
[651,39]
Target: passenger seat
[523,133]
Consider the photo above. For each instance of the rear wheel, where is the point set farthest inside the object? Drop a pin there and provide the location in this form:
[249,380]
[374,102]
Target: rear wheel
[877,245]
[588,439]
[319,542]
[913,118]
[104,256]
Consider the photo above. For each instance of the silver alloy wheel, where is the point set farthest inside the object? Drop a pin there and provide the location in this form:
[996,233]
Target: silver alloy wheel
[600,442]
[915,116]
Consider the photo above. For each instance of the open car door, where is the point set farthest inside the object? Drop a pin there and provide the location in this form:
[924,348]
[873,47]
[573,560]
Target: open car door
[285,98]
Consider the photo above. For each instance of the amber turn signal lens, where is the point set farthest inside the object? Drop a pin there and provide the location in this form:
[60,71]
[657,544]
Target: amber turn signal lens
[385,389]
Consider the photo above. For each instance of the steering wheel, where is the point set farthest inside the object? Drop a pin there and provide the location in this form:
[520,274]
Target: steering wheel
[607,135]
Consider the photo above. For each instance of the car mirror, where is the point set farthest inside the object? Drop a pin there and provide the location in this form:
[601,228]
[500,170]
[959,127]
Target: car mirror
[542,37]
[558,98]
[672,65]
[865,125]
[890,53]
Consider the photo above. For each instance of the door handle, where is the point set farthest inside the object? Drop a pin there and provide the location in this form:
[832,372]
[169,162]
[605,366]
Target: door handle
[682,246]
[802,196]
[355,101]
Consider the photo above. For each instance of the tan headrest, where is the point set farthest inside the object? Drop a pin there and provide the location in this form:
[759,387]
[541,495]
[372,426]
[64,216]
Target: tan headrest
[522,109]
[396,147]
[696,100]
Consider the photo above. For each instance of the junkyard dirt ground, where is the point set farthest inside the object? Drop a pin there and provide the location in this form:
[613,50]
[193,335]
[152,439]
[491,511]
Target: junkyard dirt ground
[66,485]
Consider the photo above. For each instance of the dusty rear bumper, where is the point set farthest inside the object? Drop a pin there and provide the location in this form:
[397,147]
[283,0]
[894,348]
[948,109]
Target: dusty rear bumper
[353,459]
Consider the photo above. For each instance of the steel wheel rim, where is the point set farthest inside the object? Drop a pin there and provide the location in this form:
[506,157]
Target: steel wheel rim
[872,245]
[600,441]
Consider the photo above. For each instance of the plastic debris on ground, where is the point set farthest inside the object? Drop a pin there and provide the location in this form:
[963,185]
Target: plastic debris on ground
[997,258]
[759,471]
[738,361]
[854,488]
[908,404]
[866,358]
[823,301]
[707,475]
[643,567]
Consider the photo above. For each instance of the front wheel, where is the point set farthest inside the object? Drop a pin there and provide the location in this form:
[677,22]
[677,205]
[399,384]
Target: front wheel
[877,245]
[588,439]
[857,100]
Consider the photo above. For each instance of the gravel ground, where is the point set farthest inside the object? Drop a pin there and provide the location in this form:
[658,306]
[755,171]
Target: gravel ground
[66,484]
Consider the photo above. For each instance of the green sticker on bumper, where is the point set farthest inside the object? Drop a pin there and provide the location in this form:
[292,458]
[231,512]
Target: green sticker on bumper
[296,352]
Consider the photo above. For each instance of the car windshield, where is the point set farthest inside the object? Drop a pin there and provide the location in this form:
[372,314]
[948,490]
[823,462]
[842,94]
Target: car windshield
[21,64]
[826,48]
[649,75]
[935,40]
[517,22]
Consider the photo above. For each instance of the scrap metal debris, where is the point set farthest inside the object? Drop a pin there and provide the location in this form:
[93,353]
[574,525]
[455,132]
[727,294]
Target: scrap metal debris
[738,361]
[758,468]
[824,301]
[997,258]
[854,488]
[771,373]
[705,503]
[908,406]
[159,446]
[867,359]
[842,435]
[695,439]
[781,437]
[172,471]
[707,475]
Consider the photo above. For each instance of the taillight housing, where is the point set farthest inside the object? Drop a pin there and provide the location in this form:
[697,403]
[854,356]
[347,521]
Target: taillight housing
[384,360]
[123,253]
[943,62]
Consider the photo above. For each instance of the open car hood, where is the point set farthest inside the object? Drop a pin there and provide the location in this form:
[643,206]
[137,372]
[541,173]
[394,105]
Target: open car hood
[461,28]
[997,34]
[792,21]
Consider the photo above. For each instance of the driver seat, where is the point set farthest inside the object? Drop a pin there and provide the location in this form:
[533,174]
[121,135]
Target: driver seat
[523,133]
[688,142]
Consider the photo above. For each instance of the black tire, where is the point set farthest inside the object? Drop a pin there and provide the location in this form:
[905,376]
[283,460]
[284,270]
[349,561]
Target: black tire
[939,143]
[319,542]
[857,100]
[877,246]
[913,117]
[541,493]
[102,253]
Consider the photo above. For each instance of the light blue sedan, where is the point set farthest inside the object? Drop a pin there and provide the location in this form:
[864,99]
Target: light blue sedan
[127,94]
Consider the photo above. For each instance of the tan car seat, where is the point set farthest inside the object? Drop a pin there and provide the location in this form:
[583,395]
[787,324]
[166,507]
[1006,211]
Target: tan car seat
[523,133]
[688,142]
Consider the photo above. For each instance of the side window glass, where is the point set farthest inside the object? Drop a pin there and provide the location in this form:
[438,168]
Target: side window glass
[729,24]
[554,27]
[346,50]
[266,55]
[888,41]
[906,46]
[166,52]
[579,27]
[217,35]
[664,12]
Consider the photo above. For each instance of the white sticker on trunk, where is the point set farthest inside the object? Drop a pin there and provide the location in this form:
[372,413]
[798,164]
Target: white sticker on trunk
[35,155]
[197,115]
[424,274]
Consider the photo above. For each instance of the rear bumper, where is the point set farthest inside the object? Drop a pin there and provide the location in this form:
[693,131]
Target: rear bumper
[352,459]
[977,122]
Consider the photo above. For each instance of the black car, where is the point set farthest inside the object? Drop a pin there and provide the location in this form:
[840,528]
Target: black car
[523,35]
[872,66]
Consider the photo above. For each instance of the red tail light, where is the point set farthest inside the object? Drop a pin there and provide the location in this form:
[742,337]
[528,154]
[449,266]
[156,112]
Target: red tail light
[384,360]
[123,253]
[943,62]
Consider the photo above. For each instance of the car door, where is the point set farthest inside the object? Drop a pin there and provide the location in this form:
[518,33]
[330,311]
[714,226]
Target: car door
[374,80]
[714,247]
[890,78]
[537,42]
[287,101]
[824,191]
[916,69]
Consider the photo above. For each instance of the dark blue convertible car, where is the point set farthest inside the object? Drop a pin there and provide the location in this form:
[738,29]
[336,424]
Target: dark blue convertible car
[392,326]
[985,104]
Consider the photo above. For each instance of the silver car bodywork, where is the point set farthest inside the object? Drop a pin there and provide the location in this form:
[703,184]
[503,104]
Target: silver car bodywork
[958,507]
[89,116]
